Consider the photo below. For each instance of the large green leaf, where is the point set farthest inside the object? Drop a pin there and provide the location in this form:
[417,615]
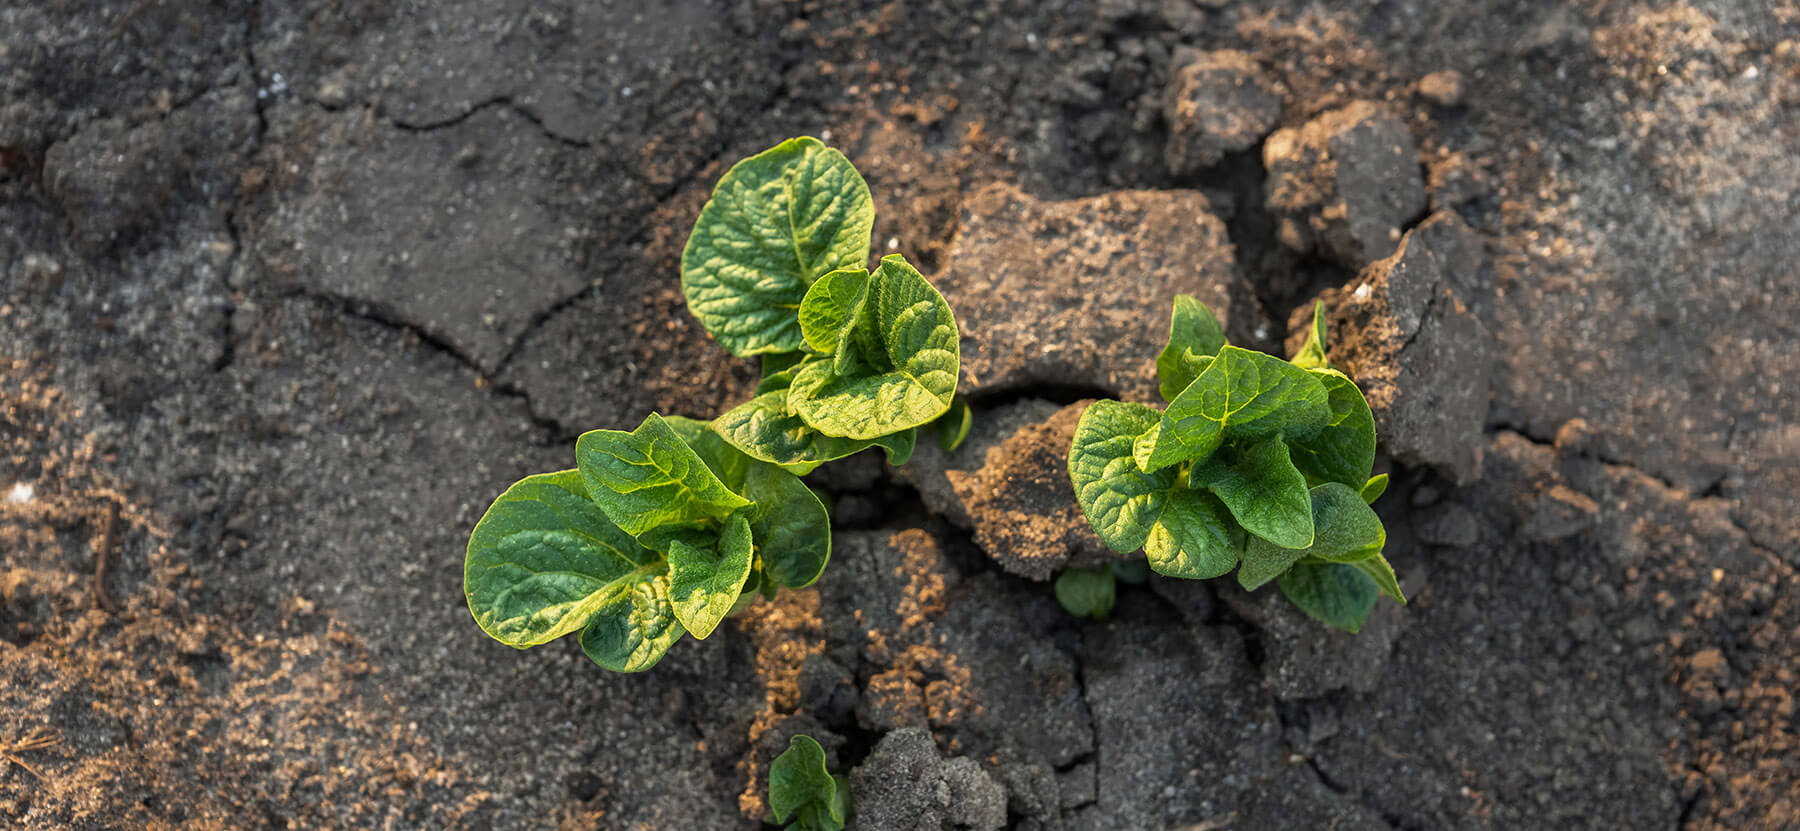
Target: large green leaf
[635,626]
[776,222]
[650,477]
[907,343]
[1265,493]
[1122,502]
[1194,337]
[1332,593]
[1087,592]
[788,523]
[1312,352]
[707,573]
[1346,530]
[1344,450]
[802,789]
[1240,395]
[1194,537]
[544,559]
[764,428]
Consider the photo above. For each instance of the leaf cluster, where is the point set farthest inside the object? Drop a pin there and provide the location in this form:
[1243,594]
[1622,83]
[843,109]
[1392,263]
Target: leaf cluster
[1255,464]
[665,530]
[803,793]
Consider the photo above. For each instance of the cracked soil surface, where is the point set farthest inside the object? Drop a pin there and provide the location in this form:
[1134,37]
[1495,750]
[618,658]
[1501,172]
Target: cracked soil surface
[289,291]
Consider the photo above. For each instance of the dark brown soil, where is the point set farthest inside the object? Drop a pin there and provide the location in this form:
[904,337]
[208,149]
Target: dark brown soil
[297,288]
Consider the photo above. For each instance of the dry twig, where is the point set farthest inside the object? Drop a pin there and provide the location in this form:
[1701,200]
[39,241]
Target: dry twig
[38,740]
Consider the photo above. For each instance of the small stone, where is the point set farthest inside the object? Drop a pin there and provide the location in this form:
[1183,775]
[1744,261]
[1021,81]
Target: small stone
[1221,102]
[1451,525]
[1443,88]
[1345,182]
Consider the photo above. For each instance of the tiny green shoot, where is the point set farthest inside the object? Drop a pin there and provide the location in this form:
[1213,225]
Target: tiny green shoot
[803,793]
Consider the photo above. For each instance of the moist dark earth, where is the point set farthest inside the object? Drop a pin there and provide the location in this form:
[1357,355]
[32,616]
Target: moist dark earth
[290,291]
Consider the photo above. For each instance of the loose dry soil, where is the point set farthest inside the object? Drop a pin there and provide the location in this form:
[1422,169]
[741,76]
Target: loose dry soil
[297,287]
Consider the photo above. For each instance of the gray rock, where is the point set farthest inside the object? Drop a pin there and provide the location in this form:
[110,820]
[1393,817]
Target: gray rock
[1221,102]
[1449,525]
[111,178]
[1410,330]
[905,785]
[1077,293]
[1345,183]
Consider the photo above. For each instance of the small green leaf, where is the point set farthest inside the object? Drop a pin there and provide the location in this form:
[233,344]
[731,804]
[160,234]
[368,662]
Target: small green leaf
[1240,395]
[777,222]
[1194,337]
[1379,570]
[788,523]
[1086,592]
[1346,531]
[1121,501]
[764,429]
[650,477]
[955,425]
[1266,494]
[1312,352]
[830,310]
[1344,451]
[1332,593]
[1194,538]
[544,560]
[1374,488]
[906,382]
[707,574]
[635,626]
[801,787]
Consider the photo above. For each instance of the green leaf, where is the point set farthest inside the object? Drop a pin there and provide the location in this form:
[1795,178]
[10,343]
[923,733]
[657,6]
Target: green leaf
[955,425]
[1374,488]
[1194,538]
[1266,494]
[830,310]
[706,574]
[1312,352]
[544,560]
[1086,592]
[778,371]
[1194,337]
[777,222]
[635,625]
[801,787]
[1240,395]
[764,429]
[650,477]
[1120,500]
[788,523]
[1346,531]
[1379,570]
[1344,451]
[906,380]
[1331,593]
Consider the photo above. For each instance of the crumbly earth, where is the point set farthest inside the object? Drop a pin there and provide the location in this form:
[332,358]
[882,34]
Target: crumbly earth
[288,293]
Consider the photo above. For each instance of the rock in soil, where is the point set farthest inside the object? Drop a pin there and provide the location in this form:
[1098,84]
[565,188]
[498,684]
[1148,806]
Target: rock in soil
[1076,294]
[1345,184]
[1410,331]
[1218,103]
[905,785]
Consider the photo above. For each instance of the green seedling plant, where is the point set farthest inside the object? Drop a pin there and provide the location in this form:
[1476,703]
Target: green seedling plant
[665,530]
[1256,464]
[803,793]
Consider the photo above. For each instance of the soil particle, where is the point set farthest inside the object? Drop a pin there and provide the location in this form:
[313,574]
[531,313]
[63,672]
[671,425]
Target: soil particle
[1014,493]
[1410,331]
[1216,103]
[906,786]
[1443,88]
[1038,293]
[1345,184]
